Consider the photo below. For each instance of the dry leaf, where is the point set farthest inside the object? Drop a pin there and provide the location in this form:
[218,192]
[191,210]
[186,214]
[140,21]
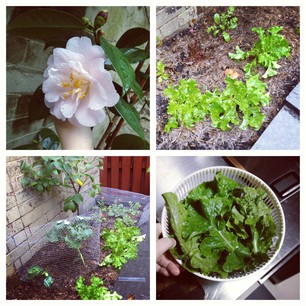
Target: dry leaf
[233,73]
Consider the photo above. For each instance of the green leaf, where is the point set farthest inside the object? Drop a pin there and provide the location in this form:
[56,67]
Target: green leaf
[37,108]
[122,67]
[89,167]
[91,193]
[130,115]
[133,37]
[70,205]
[217,18]
[48,140]
[239,55]
[226,36]
[129,142]
[135,55]
[91,177]
[44,24]
[77,198]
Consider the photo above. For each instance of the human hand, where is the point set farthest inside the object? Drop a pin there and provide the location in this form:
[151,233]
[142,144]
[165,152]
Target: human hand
[73,137]
[164,265]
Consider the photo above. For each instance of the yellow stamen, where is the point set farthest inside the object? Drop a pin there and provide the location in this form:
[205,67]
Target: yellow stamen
[77,87]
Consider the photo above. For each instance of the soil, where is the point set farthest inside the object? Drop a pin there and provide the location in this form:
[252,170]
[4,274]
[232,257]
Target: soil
[65,271]
[193,53]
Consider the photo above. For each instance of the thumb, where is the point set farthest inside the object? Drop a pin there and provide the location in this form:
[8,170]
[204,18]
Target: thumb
[163,245]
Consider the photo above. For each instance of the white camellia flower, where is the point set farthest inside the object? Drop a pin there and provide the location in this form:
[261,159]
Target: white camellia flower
[76,86]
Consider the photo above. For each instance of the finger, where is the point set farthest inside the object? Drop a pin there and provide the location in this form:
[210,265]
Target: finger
[162,270]
[169,265]
[163,245]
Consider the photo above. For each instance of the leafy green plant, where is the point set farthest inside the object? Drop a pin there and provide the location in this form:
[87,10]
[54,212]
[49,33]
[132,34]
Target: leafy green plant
[160,73]
[73,234]
[221,227]
[95,291]
[119,210]
[187,105]
[36,271]
[70,172]
[223,23]
[123,242]
[270,47]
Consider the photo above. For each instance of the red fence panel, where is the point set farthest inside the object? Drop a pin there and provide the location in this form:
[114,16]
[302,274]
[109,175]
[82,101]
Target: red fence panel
[126,173]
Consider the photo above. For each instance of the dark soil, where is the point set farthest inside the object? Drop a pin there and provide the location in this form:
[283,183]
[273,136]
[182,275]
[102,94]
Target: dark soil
[64,272]
[193,53]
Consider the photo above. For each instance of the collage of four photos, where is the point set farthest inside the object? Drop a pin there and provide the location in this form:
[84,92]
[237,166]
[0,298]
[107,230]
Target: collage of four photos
[183,186]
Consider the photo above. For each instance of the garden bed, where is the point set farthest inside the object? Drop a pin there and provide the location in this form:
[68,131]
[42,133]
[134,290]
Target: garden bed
[193,53]
[66,274]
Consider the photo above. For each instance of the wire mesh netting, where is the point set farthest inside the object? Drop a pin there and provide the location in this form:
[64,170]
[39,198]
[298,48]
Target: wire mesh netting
[55,254]
[61,249]
[109,196]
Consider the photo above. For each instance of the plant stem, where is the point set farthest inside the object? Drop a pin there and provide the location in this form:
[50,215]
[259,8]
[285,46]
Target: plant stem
[108,131]
[81,256]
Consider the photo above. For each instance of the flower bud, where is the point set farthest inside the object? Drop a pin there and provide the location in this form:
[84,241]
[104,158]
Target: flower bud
[87,23]
[101,19]
[79,182]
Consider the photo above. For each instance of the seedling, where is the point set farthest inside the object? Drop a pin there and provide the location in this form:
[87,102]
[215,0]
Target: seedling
[223,23]
[36,271]
[160,73]
[73,234]
[118,210]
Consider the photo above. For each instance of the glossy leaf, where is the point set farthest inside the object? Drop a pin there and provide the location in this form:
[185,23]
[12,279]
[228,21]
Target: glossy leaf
[44,24]
[135,55]
[122,67]
[133,37]
[130,115]
[37,108]
[48,140]
[129,142]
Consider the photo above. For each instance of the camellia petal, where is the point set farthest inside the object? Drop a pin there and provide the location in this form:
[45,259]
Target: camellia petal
[87,117]
[77,87]
[84,46]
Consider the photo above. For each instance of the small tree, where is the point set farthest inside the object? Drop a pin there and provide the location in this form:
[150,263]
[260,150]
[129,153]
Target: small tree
[70,172]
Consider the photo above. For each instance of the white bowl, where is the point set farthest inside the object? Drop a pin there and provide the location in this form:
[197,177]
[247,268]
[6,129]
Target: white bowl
[243,178]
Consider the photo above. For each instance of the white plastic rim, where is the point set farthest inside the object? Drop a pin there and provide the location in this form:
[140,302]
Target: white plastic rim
[243,178]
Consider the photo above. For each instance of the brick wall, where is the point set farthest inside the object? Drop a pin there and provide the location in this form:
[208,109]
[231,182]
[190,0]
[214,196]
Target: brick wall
[171,19]
[26,210]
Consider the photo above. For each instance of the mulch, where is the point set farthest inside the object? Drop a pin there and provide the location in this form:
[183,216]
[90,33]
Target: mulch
[193,53]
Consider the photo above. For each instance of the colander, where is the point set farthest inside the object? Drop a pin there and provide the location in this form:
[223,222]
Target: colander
[244,178]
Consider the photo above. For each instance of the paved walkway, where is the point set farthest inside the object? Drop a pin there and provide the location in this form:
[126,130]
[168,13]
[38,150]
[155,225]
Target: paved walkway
[283,133]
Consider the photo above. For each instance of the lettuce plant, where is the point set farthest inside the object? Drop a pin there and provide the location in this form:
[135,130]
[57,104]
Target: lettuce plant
[95,291]
[270,47]
[187,105]
[123,242]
